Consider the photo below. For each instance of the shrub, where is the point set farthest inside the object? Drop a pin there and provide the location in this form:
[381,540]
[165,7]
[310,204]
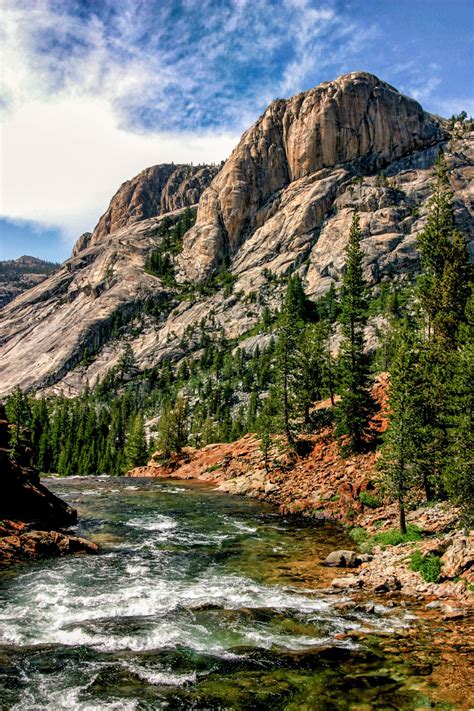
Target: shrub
[359,535]
[368,500]
[393,537]
[429,566]
[386,538]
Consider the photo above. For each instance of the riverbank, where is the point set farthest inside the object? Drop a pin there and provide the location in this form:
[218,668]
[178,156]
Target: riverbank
[32,519]
[320,484]
[201,599]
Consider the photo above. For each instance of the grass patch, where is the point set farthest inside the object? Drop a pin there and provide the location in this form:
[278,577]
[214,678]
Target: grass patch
[393,537]
[359,535]
[368,500]
[429,566]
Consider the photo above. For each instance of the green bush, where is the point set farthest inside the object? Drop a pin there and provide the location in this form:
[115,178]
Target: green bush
[359,535]
[368,500]
[393,537]
[385,538]
[429,566]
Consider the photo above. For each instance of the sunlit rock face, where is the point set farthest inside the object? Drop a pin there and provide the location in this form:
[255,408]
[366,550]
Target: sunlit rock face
[283,202]
[153,192]
[356,124]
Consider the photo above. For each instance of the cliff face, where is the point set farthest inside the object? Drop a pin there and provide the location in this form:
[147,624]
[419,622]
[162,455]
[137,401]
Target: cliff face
[282,202]
[356,124]
[153,192]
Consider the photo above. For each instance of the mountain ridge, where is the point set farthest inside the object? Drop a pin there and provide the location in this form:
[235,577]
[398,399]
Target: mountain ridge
[299,225]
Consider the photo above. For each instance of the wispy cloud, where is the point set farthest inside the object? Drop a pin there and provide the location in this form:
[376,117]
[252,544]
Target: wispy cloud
[92,92]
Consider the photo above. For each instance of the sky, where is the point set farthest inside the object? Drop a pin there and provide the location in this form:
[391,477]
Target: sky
[93,91]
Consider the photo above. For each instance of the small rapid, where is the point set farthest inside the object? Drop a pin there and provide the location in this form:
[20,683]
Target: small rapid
[192,592]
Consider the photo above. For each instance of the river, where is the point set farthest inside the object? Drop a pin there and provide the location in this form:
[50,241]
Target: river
[197,600]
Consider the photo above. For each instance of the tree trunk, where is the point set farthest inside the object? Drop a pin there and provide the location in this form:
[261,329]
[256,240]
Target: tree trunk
[403,524]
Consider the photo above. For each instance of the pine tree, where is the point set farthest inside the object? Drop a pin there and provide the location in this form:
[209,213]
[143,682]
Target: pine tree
[136,449]
[353,410]
[310,364]
[18,413]
[443,289]
[173,428]
[290,324]
[459,470]
[126,362]
[399,461]
[444,285]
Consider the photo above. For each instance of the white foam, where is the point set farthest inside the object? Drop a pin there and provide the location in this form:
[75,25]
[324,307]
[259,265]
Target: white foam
[155,523]
[160,677]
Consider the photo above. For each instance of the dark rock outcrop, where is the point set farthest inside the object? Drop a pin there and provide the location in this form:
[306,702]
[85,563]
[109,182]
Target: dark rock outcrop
[30,514]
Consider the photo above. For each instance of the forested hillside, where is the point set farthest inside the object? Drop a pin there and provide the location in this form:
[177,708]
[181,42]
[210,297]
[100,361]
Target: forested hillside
[297,355]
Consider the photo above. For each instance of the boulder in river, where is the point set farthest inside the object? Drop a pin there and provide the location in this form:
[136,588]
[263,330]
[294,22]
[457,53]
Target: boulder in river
[346,559]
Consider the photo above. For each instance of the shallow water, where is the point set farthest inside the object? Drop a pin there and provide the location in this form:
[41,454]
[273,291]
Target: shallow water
[197,600]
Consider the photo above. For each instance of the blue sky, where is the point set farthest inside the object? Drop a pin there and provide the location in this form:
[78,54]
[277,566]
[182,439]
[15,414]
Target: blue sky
[94,91]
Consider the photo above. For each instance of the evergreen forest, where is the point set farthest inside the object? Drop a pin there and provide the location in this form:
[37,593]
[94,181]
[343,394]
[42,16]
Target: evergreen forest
[312,351]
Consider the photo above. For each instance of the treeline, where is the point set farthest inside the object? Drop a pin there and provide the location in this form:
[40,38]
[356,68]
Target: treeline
[220,391]
[160,260]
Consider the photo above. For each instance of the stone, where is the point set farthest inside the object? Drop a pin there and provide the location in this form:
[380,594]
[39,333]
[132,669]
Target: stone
[459,557]
[390,583]
[342,559]
[350,581]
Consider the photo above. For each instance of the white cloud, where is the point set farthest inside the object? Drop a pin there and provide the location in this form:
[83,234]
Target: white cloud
[65,147]
[63,159]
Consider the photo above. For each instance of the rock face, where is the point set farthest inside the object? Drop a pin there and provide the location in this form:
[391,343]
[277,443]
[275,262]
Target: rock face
[356,123]
[153,192]
[283,202]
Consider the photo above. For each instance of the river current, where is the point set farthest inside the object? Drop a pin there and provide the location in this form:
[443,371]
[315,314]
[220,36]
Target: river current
[197,600]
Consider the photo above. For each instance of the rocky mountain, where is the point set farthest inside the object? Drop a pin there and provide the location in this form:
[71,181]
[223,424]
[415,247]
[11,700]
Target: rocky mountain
[153,192]
[18,275]
[283,201]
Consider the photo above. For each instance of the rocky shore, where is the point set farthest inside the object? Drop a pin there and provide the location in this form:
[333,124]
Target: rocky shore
[317,482]
[32,519]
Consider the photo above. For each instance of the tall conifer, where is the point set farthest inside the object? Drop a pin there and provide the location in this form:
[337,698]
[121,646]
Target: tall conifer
[353,410]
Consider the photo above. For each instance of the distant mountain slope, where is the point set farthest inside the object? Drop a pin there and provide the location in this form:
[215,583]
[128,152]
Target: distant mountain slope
[18,275]
[282,202]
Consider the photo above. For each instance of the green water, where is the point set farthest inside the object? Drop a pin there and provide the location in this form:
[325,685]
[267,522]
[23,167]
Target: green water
[197,601]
